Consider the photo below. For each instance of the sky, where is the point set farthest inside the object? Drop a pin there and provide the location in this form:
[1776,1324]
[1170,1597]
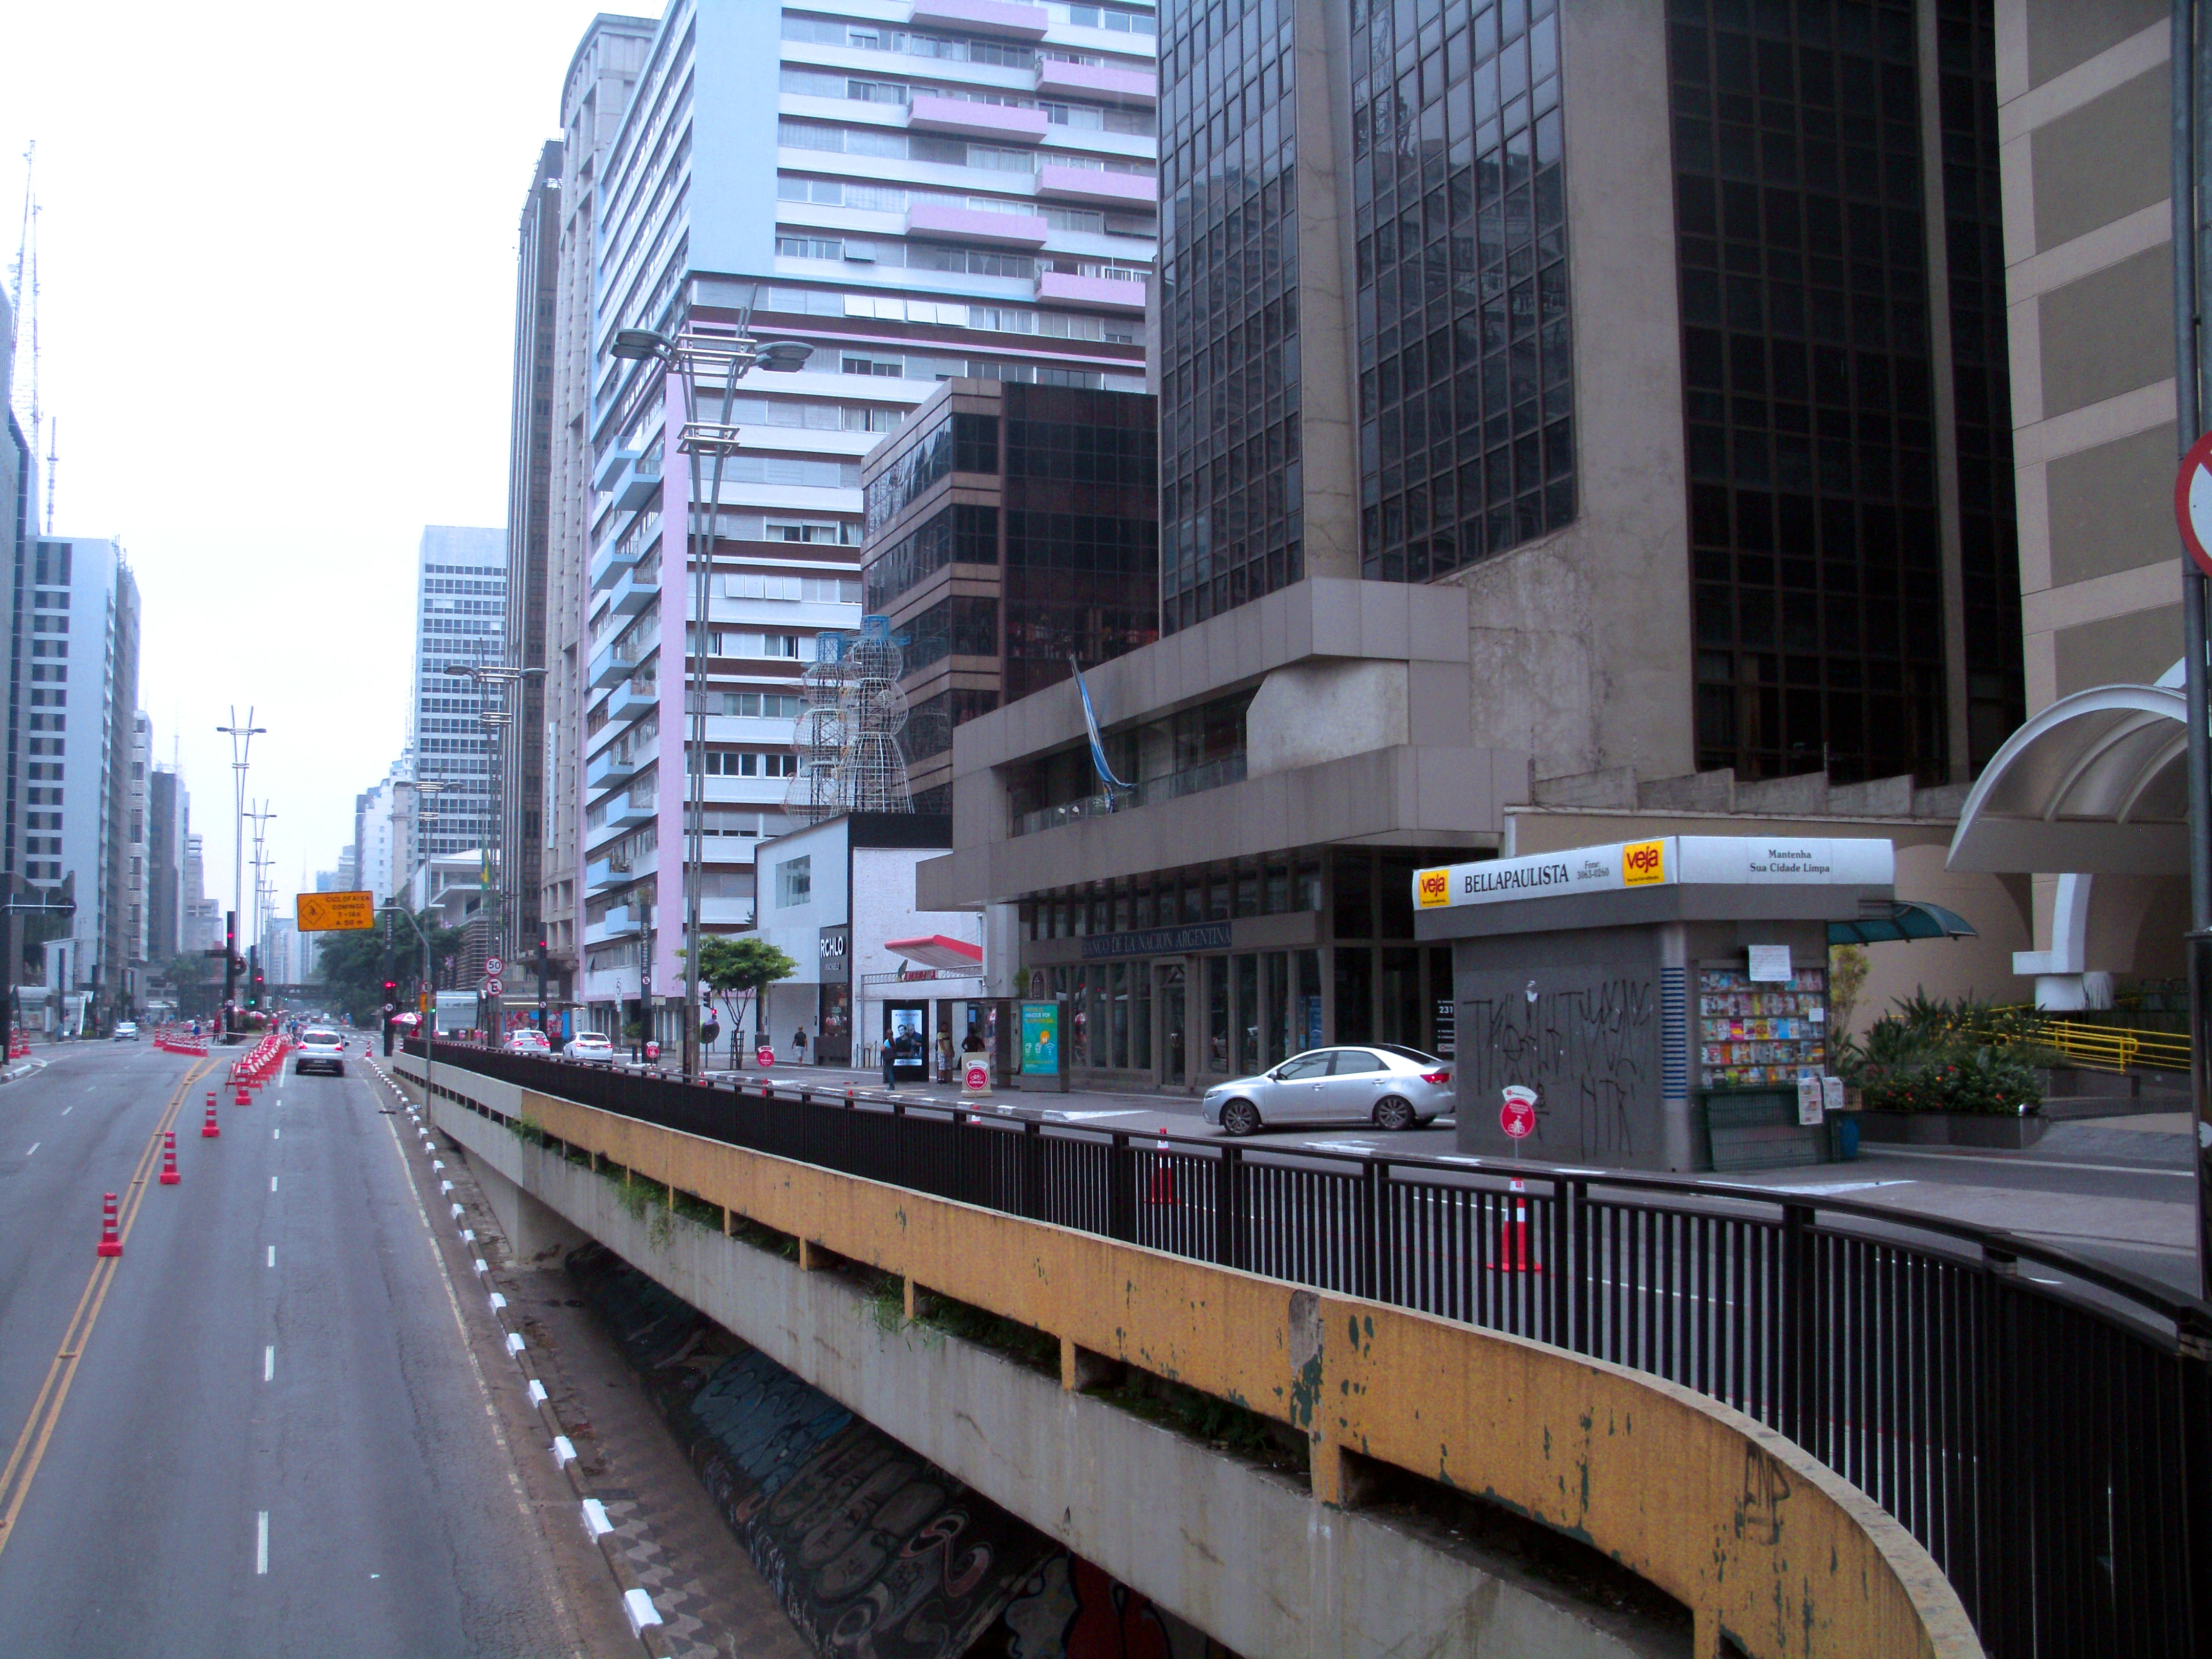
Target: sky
[277,262]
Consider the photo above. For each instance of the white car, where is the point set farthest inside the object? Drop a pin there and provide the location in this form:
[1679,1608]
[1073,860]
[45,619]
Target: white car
[126,1031]
[320,1051]
[1384,1083]
[527,1041]
[589,1046]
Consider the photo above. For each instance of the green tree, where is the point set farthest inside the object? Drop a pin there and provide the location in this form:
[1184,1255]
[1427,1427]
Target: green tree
[746,963]
[190,968]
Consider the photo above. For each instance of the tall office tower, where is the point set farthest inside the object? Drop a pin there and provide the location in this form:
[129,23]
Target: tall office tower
[529,460]
[79,707]
[1012,531]
[168,812]
[593,97]
[1750,518]
[137,897]
[966,194]
[199,923]
[1589,408]
[460,621]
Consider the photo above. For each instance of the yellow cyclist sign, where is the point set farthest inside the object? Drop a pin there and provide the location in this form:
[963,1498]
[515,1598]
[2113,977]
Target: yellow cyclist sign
[333,913]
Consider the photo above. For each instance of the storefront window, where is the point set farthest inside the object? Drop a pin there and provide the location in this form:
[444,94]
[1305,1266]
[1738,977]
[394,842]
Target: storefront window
[1140,1016]
[1400,1004]
[1396,893]
[1275,891]
[1079,1043]
[1355,994]
[1120,1016]
[1217,1013]
[1308,886]
[1306,1014]
[1275,1009]
[1443,1006]
[1247,1015]
[1217,898]
[1353,874]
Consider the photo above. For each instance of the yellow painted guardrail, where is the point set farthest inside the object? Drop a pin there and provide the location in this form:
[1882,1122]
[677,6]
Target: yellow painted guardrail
[1762,1542]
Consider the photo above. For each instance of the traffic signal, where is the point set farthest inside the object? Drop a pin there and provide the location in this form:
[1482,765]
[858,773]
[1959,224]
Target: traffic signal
[253,991]
[389,986]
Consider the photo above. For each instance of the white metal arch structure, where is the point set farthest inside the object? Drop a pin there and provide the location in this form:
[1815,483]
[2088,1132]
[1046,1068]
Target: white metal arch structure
[2096,783]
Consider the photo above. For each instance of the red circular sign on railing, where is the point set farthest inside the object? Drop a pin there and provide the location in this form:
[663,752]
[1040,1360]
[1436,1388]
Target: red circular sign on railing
[1517,1117]
[2192,502]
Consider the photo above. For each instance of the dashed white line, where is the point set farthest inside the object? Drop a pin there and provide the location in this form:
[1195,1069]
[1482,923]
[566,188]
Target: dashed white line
[34,1147]
[66,1110]
[261,1545]
[272,1255]
[272,1183]
[269,1363]
[276,1134]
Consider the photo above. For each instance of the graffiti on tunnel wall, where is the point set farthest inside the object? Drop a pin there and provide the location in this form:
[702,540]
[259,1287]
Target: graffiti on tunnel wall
[1588,1041]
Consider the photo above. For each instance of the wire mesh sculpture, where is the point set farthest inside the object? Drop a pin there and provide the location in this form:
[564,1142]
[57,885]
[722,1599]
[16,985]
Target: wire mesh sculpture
[852,710]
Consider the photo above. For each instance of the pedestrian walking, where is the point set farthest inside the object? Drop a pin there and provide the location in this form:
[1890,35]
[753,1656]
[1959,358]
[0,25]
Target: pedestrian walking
[890,1063]
[798,1046]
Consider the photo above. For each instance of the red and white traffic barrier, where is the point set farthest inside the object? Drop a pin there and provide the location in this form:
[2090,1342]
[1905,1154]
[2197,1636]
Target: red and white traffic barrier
[111,1241]
[169,1175]
[1514,1255]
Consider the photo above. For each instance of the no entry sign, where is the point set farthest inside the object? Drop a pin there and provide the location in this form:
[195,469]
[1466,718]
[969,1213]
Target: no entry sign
[1517,1117]
[2192,502]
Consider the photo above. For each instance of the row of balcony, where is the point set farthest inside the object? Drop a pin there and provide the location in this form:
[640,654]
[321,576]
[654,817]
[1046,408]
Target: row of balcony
[1009,20]
[628,921]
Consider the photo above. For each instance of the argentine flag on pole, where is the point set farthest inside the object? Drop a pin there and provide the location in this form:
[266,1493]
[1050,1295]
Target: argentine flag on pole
[1090,723]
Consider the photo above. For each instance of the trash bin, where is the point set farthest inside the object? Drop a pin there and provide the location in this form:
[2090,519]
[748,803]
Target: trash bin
[1842,1137]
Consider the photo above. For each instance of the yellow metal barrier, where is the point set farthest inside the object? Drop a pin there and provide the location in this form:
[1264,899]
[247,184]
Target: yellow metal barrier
[2115,1048]
[1764,1544]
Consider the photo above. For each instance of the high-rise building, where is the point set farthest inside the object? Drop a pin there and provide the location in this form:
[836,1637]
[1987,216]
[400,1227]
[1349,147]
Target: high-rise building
[529,460]
[136,895]
[966,194]
[460,621]
[594,98]
[1564,408]
[200,923]
[168,815]
[1012,531]
[77,719]
[16,472]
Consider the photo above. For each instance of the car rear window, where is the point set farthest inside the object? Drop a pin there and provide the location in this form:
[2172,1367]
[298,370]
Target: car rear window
[1413,1055]
[320,1036]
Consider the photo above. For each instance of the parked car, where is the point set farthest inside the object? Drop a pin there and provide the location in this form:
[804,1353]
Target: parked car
[589,1046]
[126,1031]
[527,1041]
[320,1051]
[1383,1084]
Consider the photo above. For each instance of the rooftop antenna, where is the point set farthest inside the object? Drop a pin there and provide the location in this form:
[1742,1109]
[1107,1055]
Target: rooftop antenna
[53,436]
[23,296]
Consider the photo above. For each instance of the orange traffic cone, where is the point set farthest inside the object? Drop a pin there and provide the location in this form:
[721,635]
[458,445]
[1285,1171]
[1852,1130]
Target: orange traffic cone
[169,1175]
[110,1242]
[208,1130]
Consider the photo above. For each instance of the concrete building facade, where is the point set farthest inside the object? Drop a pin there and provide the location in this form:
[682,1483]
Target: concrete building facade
[529,460]
[1564,408]
[593,97]
[461,621]
[965,194]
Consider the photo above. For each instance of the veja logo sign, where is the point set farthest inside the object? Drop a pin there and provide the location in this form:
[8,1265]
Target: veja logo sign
[1433,888]
[1642,862]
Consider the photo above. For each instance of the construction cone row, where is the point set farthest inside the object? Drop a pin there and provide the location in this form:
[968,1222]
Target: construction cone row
[169,1175]
[110,1243]
[208,1130]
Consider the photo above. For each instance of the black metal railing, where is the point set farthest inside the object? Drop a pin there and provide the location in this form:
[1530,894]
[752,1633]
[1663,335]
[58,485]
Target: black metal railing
[2048,1439]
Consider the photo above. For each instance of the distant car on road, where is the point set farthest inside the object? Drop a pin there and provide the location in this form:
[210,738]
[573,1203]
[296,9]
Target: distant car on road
[321,1051]
[527,1042]
[126,1031]
[591,1046]
[1381,1083]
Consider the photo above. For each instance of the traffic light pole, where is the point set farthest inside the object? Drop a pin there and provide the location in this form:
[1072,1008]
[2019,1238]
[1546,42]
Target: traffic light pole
[430,1025]
[229,971]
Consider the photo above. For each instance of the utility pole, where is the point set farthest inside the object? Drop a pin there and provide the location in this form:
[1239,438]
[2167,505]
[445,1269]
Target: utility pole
[241,738]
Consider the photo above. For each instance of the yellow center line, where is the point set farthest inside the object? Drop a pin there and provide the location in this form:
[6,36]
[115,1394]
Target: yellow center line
[30,1448]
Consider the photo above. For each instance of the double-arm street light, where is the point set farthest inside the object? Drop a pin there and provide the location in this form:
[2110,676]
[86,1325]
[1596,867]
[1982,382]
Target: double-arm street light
[709,365]
[241,734]
[499,680]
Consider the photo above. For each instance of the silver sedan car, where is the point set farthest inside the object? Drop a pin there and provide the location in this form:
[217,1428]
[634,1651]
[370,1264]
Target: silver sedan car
[1383,1084]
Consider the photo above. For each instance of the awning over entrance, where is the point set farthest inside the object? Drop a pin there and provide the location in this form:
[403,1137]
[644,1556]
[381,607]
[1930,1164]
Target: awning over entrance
[1907,919]
[2095,783]
[936,951]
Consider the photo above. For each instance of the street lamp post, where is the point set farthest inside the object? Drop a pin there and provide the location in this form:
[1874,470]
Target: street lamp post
[719,360]
[499,678]
[241,736]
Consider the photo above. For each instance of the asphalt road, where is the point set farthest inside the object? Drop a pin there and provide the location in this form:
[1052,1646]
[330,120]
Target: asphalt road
[269,1427]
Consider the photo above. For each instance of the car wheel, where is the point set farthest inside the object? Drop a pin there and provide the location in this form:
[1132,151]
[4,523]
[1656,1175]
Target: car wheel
[339,1072]
[1392,1113]
[1240,1117]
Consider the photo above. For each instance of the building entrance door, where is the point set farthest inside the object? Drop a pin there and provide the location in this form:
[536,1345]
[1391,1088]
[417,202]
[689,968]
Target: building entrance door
[1175,1069]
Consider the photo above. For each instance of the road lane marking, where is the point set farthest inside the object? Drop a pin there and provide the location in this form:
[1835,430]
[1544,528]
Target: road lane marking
[272,1255]
[276,1134]
[272,1183]
[269,1363]
[551,1590]
[261,1545]
[30,1448]
[34,1147]
[66,1110]
[1874,1150]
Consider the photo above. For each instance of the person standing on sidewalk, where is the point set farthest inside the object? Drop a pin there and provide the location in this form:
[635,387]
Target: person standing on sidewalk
[798,1046]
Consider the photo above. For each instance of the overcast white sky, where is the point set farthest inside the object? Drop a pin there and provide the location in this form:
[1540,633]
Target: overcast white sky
[277,260]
